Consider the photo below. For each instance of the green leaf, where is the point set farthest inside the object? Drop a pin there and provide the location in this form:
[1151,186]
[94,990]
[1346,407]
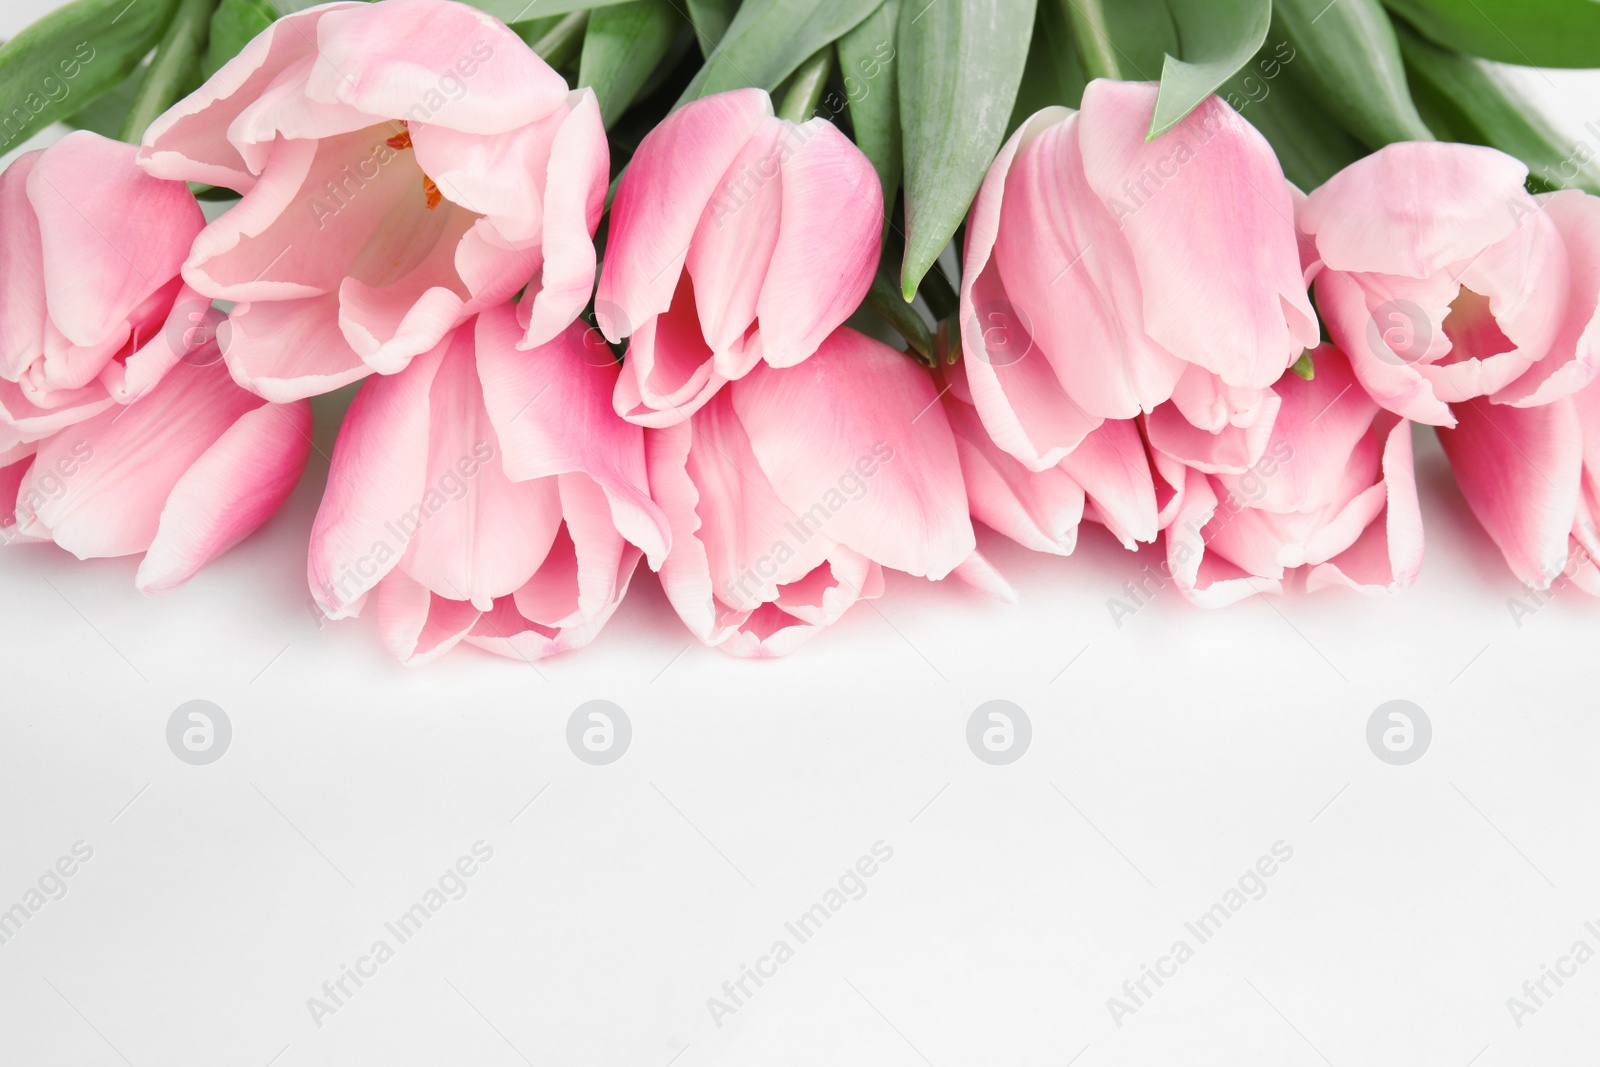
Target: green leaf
[1346,55]
[1532,33]
[710,19]
[961,61]
[1053,76]
[1142,36]
[514,11]
[1303,367]
[622,48]
[1311,147]
[1215,39]
[233,25]
[107,113]
[63,61]
[769,39]
[1465,99]
[174,70]
[868,71]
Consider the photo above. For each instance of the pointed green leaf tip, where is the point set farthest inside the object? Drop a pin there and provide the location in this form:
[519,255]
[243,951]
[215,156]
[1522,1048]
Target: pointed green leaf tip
[1303,367]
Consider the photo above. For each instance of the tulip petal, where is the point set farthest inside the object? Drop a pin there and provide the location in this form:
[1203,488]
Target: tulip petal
[828,244]
[234,487]
[111,234]
[1520,471]
[1038,510]
[1114,471]
[22,299]
[551,410]
[860,414]
[286,350]
[574,197]
[679,167]
[1228,204]
[419,625]
[1415,207]
[428,61]
[1573,359]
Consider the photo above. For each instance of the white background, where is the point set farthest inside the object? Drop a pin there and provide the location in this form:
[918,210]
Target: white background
[1168,754]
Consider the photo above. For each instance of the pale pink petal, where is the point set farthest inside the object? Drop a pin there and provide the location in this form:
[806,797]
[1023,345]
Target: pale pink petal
[1520,469]
[679,167]
[574,197]
[1072,284]
[1383,347]
[859,412]
[1388,555]
[1415,207]
[828,243]
[22,300]
[1213,239]
[418,625]
[552,413]
[1015,390]
[1233,450]
[1203,577]
[1038,510]
[430,61]
[1573,359]
[376,480]
[111,234]
[128,461]
[190,141]
[287,350]
[1114,471]
[670,371]
[234,487]
[979,573]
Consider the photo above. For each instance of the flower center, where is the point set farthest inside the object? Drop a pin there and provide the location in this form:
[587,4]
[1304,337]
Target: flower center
[402,141]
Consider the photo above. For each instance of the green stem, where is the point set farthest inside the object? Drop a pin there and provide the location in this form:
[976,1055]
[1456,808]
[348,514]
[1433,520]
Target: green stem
[1095,50]
[175,67]
[562,42]
[884,298]
[806,86]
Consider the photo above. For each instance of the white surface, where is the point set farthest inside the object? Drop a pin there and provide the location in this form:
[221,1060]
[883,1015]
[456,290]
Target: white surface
[1167,756]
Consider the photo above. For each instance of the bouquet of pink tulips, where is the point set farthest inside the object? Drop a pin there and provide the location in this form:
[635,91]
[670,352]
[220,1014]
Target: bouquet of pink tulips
[770,297]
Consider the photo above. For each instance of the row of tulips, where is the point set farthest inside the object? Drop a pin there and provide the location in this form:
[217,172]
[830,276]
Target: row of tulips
[1138,348]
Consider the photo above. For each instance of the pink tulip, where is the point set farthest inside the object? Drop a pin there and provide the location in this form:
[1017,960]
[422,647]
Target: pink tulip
[736,238]
[92,311]
[403,165]
[1532,477]
[790,491]
[1106,275]
[1445,281]
[488,495]
[182,474]
[1106,479]
[1333,495]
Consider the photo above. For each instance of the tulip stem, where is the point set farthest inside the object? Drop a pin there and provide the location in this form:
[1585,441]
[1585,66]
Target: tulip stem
[806,85]
[562,42]
[174,69]
[1093,39]
[884,298]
